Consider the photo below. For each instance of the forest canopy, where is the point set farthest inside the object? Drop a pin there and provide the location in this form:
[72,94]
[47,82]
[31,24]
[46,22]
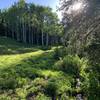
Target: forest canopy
[30,23]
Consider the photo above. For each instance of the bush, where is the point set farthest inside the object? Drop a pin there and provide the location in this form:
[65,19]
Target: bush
[8,83]
[8,79]
[40,82]
[64,97]
[28,72]
[21,93]
[71,65]
[37,86]
[91,86]
[41,96]
[58,86]
[5,97]
[60,52]
[22,81]
[51,89]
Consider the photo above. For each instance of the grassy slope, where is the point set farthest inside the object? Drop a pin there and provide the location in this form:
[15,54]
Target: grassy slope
[26,72]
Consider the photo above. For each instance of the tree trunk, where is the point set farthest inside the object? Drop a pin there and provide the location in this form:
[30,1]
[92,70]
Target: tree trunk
[17,31]
[42,39]
[6,31]
[23,32]
[32,36]
[47,38]
[36,37]
[12,32]
[29,32]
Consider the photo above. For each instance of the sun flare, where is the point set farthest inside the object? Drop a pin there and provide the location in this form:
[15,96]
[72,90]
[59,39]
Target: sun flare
[77,6]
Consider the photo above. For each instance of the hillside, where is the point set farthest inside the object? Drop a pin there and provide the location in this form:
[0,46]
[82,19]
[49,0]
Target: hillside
[44,57]
[27,72]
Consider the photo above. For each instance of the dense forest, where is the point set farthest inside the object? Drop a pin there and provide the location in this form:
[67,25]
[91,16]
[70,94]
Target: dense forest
[45,58]
[30,23]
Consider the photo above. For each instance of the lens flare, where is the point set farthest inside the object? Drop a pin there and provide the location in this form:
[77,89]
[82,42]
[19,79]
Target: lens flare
[77,6]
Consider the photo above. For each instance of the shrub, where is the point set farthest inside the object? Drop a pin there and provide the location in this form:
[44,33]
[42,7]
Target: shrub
[21,93]
[60,52]
[37,86]
[8,83]
[22,81]
[28,72]
[91,86]
[41,96]
[71,65]
[5,97]
[57,86]
[40,82]
[64,97]
[51,89]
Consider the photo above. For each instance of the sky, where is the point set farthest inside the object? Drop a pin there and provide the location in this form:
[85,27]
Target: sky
[51,3]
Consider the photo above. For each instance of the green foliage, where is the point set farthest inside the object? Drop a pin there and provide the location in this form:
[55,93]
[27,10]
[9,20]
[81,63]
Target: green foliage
[8,83]
[58,85]
[51,89]
[93,49]
[91,86]
[40,83]
[21,93]
[38,75]
[12,47]
[30,23]
[71,65]
[60,52]
[8,80]
[94,87]
[64,97]
[42,97]
[5,97]
[30,73]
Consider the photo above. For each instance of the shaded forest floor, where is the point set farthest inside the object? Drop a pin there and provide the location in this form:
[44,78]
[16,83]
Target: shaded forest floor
[26,72]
